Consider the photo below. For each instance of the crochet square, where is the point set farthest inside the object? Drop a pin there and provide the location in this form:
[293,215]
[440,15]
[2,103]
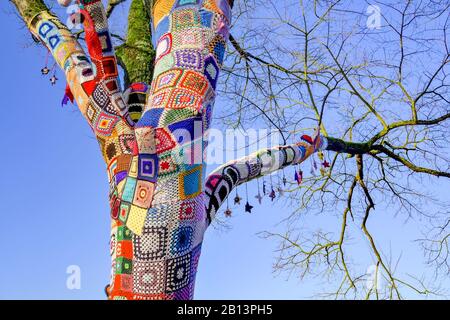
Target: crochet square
[132,173]
[161,99]
[148,167]
[189,59]
[167,166]
[123,265]
[123,233]
[123,282]
[144,194]
[167,79]
[145,139]
[127,143]
[105,41]
[181,240]
[124,249]
[109,67]
[128,190]
[164,140]
[186,131]
[186,40]
[195,82]
[190,183]
[151,245]
[181,98]
[178,272]
[185,18]
[217,48]
[124,211]
[181,3]
[100,96]
[136,219]
[105,124]
[188,210]
[211,71]
[148,277]
[91,113]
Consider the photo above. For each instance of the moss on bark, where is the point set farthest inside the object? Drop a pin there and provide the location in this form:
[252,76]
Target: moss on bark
[137,54]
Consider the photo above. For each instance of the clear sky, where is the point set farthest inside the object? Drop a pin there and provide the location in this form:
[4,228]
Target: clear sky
[55,210]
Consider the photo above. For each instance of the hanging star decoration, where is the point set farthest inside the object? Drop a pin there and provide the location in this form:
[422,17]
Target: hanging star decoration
[259,197]
[237,199]
[248,207]
[53,80]
[272,195]
[326,164]
[228,213]
[45,71]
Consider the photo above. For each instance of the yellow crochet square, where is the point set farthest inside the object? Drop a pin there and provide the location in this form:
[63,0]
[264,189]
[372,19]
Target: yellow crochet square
[133,168]
[161,8]
[136,219]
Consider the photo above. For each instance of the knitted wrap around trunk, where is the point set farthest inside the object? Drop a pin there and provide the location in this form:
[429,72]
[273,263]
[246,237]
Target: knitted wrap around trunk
[158,229]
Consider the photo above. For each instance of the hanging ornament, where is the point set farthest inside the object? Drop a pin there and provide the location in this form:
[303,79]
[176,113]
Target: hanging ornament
[322,171]
[272,195]
[280,191]
[228,213]
[315,165]
[45,71]
[284,180]
[326,164]
[264,188]
[237,199]
[248,207]
[320,155]
[259,197]
[64,3]
[53,80]
[298,176]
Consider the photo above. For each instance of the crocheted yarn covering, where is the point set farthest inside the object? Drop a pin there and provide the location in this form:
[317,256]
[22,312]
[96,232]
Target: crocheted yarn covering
[152,140]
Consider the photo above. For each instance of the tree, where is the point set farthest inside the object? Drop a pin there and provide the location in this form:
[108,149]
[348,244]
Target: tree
[379,73]
[154,151]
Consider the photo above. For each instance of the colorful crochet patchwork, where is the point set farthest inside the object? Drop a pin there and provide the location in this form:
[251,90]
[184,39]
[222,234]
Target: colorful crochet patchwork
[151,138]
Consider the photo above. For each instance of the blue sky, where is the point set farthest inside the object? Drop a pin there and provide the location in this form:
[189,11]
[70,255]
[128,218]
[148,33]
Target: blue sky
[55,211]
